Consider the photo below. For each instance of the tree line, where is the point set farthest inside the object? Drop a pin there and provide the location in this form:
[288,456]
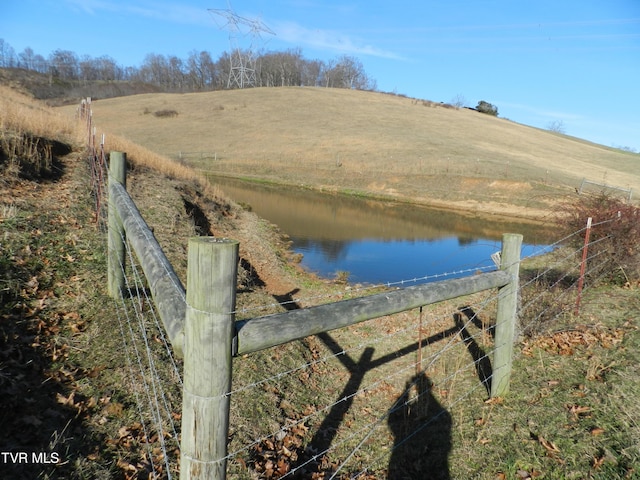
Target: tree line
[198,72]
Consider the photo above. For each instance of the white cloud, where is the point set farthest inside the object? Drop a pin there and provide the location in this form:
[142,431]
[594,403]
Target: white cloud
[165,11]
[540,111]
[331,40]
[89,6]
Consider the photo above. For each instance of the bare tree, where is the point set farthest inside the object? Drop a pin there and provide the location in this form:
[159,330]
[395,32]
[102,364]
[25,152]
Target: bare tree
[556,126]
[108,69]
[311,73]
[155,70]
[7,55]
[200,71]
[26,59]
[346,72]
[176,77]
[64,64]
[280,69]
[459,101]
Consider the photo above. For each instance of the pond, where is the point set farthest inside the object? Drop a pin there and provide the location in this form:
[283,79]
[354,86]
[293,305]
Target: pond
[379,242]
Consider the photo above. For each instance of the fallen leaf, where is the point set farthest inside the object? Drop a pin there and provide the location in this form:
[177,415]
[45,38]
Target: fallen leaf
[597,431]
[115,409]
[578,410]
[95,371]
[550,446]
[61,399]
[126,466]
[71,316]
[597,462]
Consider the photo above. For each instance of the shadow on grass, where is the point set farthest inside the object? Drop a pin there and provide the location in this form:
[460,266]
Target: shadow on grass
[422,434]
[420,425]
[42,417]
[480,359]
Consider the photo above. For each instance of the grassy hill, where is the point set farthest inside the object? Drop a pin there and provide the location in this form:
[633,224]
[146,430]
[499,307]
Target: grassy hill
[370,144]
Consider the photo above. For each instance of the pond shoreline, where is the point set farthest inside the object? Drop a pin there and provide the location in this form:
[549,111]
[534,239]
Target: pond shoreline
[470,207]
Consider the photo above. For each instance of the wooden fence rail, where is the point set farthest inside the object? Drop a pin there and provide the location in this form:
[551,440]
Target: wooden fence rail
[202,320]
[126,223]
[271,330]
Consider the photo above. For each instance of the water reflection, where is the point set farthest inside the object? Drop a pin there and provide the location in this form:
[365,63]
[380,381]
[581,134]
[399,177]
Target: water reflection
[378,242]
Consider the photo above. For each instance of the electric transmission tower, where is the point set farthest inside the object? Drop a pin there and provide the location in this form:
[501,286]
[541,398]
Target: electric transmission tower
[242,68]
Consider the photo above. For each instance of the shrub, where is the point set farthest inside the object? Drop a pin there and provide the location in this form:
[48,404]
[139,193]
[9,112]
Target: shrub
[614,236]
[486,107]
[166,113]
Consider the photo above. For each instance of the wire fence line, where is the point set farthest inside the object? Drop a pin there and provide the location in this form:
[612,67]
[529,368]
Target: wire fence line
[158,402]
[146,346]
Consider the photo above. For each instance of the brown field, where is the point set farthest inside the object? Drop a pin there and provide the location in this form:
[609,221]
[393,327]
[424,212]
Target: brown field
[370,144]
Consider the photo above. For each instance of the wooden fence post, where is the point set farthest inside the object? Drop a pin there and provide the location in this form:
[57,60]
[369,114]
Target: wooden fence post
[116,235]
[506,316]
[208,335]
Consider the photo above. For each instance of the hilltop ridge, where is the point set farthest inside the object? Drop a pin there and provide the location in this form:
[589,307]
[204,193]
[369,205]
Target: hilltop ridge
[370,144]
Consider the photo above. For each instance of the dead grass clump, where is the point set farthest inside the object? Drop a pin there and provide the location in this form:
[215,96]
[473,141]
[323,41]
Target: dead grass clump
[32,136]
[144,157]
[198,194]
[545,308]
[166,113]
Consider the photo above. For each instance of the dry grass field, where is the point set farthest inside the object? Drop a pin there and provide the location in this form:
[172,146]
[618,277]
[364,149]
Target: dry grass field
[370,144]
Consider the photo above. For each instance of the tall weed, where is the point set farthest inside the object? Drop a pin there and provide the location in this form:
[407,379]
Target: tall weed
[32,135]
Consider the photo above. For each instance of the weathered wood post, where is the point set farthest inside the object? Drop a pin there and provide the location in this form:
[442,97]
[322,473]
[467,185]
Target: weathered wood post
[116,235]
[208,335]
[506,316]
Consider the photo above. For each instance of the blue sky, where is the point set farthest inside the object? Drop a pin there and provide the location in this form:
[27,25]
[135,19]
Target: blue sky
[574,61]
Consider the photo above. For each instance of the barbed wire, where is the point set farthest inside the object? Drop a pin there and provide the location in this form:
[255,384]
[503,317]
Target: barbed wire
[367,429]
[353,291]
[346,351]
[149,374]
